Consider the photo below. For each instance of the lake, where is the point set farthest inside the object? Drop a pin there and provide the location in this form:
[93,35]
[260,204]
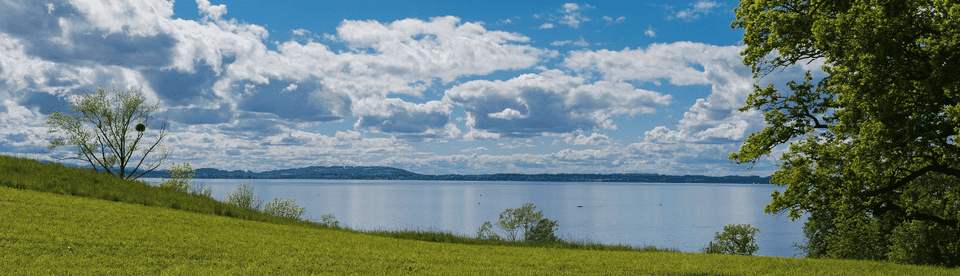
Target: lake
[681,216]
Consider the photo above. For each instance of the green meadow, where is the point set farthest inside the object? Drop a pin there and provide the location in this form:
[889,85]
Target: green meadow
[61,220]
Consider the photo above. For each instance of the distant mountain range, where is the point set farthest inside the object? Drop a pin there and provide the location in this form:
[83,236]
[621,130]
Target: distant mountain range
[388,173]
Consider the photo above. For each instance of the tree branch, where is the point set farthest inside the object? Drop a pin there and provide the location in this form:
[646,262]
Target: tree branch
[914,175]
[889,206]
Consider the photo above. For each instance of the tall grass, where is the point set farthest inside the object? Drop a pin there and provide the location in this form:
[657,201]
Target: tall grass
[21,173]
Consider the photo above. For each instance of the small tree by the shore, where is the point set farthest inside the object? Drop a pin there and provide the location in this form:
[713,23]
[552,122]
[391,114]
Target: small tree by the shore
[735,239]
[519,223]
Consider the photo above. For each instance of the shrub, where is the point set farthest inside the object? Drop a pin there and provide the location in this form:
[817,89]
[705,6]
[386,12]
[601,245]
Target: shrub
[243,197]
[485,232]
[924,243]
[735,239]
[542,232]
[330,221]
[521,222]
[180,176]
[284,208]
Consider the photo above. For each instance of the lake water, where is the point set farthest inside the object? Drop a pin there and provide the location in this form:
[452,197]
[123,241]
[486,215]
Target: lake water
[681,216]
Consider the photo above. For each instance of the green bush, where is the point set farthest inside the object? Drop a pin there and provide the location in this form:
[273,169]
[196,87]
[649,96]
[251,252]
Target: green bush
[243,196]
[180,176]
[286,208]
[735,239]
[520,222]
[542,232]
[330,221]
[924,243]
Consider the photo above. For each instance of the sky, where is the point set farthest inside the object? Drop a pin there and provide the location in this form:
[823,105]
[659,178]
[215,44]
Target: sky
[434,87]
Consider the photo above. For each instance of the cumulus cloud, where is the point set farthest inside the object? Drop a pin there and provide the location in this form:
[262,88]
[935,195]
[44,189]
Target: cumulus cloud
[712,127]
[581,43]
[217,66]
[474,149]
[696,9]
[651,32]
[300,32]
[570,14]
[611,20]
[595,139]
[549,102]
[711,120]
[405,119]
[546,26]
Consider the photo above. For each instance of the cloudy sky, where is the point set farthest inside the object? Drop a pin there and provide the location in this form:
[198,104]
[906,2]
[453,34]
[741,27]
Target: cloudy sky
[433,87]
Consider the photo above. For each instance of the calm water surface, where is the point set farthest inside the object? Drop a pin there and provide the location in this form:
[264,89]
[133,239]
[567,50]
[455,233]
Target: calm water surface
[682,216]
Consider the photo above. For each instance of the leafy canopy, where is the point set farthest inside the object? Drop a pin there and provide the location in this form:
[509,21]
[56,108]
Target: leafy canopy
[736,239]
[872,150]
[111,130]
[523,222]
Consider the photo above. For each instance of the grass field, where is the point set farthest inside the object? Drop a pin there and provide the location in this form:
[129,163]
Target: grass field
[55,233]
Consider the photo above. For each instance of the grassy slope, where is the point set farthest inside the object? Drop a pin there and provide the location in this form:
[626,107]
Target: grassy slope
[60,234]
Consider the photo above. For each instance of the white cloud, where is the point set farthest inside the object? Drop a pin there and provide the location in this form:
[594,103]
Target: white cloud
[581,43]
[651,32]
[474,149]
[698,8]
[217,75]
[610,20]
[713,119]
[712,127]
[595,139]
[546,26]
[550,102]
[405,119]
[570,14]
[300,32]
[508,114]
[513,144]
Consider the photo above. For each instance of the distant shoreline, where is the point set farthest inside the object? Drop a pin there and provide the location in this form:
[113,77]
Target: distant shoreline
[388,173]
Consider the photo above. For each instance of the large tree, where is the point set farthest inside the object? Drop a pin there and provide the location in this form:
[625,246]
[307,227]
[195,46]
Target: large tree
[112,130]
[872,149]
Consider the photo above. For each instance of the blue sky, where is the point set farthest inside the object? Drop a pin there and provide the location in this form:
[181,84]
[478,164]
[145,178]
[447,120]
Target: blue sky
[429,86]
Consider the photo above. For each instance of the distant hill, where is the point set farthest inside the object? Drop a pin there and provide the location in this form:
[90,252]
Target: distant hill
[388,173]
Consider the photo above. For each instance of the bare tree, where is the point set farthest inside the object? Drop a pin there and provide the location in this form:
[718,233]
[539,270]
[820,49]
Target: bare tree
[111,130]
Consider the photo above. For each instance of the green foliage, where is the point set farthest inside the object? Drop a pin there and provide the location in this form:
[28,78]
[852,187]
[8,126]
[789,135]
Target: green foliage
[485,232]
[872,149]
[286,208]
[180,176]
[330,221]
[924,242]
[542,232]
[49,234]
[107,130]
[735,239]
[243,197]
[519,223]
